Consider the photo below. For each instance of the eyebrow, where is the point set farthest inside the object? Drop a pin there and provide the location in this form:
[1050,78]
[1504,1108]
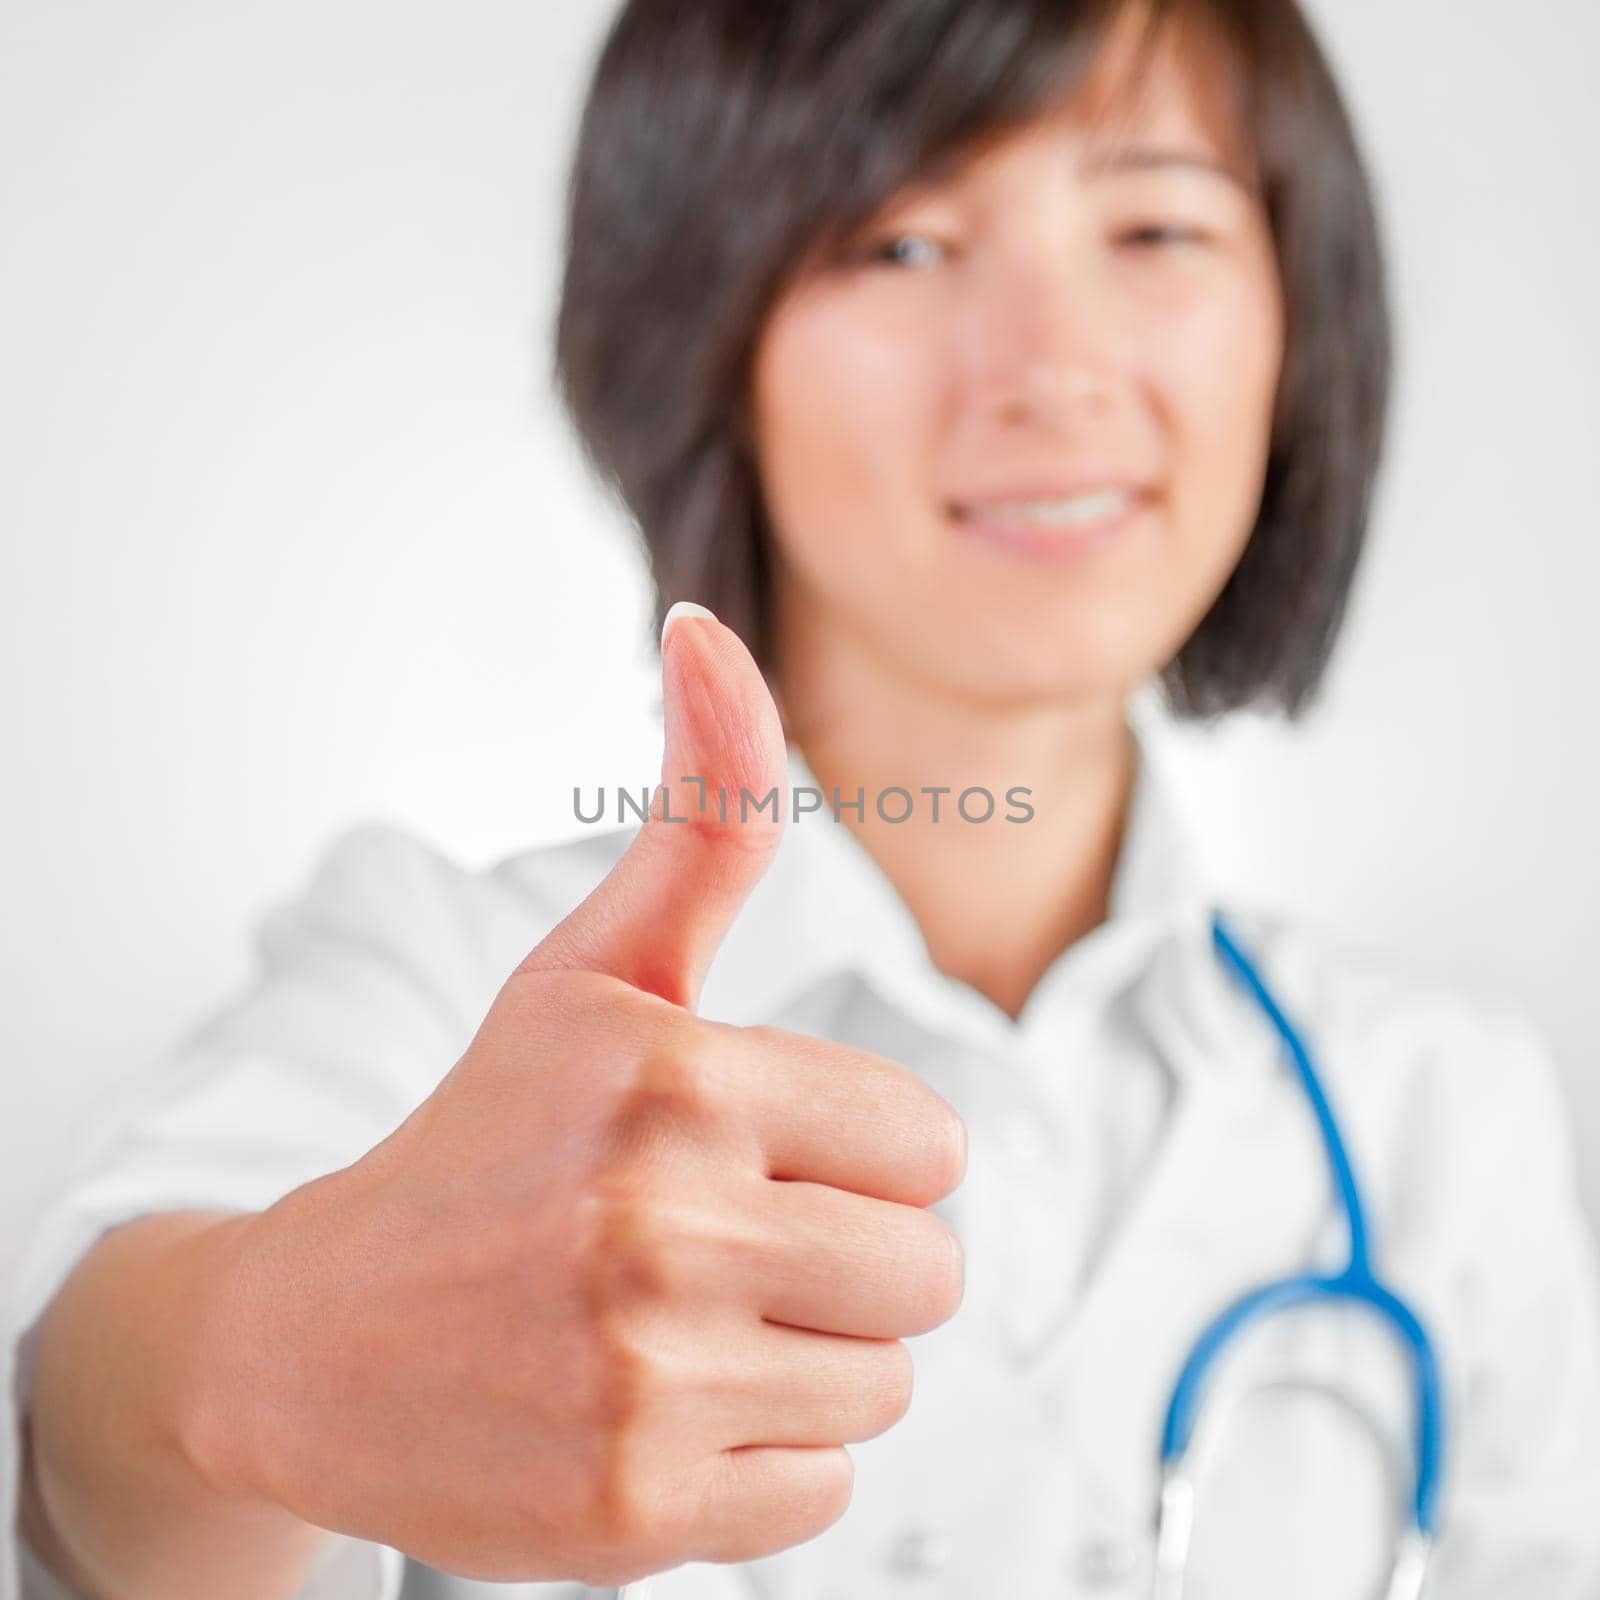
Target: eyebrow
[1144,158]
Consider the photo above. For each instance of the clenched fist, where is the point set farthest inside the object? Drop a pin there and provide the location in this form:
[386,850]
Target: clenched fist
[620,1291]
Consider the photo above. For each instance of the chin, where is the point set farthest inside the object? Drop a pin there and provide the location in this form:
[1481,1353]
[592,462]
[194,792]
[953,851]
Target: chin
[1056,653]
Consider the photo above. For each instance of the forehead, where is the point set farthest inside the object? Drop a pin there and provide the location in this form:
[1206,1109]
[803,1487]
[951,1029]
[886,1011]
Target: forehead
[1174,87]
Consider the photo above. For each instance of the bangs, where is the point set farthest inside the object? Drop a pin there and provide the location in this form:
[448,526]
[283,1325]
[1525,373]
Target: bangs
[1205,50]
[918,91]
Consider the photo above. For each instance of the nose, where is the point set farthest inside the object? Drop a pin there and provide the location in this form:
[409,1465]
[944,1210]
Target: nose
[1038,343]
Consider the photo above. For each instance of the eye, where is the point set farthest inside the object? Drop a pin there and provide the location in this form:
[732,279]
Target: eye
[904,249]
[1159,235]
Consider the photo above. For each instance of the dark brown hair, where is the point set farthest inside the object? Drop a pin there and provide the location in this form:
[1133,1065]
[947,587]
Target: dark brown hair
[722,139]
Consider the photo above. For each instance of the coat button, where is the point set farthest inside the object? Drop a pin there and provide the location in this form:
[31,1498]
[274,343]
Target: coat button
[919,1552]
[1104,1561]
[1022,1137]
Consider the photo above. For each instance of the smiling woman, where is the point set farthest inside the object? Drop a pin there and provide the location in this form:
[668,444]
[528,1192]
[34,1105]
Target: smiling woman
[981,362]
[891,233]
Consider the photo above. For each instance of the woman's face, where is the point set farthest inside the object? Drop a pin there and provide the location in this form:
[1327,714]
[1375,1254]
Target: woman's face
[1013,444]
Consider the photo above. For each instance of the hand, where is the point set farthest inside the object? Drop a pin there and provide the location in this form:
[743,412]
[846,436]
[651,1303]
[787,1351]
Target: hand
[617,1295]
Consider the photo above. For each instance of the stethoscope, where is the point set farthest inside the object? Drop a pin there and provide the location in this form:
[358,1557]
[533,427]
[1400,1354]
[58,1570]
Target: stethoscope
[1192,1433]
[1189,1436]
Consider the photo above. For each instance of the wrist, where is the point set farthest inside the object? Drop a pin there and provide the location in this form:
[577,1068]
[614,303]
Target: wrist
[220,1388]
[125,1401]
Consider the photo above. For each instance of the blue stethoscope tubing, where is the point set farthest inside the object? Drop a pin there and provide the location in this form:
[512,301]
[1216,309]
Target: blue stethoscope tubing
[1356,1281]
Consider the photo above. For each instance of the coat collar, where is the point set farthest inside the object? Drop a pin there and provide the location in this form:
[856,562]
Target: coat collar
[825,907]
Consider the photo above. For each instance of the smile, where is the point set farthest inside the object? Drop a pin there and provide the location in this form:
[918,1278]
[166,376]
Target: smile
[1051,527]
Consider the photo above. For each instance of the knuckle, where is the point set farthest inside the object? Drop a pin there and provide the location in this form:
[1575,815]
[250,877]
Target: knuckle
[834,1489]
[577,1004]
[944,1144]
[956,1147]
[942,1267]
[671,1070]
[629,1246]
[620,1507]
[619,1377]
[669,1091]
[894,1381]
[574,992]
[768,1035]
[599,1510]
[804,1495]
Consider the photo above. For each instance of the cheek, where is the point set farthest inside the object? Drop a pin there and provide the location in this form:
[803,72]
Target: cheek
[842,416]
[1216,372]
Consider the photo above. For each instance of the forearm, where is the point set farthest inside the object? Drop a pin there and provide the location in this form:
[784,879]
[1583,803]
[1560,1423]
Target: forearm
[113,1497]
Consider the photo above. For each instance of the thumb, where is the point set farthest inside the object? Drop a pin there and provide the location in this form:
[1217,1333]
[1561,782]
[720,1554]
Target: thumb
[657,918]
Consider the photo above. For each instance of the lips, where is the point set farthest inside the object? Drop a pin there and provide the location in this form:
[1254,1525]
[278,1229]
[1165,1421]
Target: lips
[1050,520]
[1051,511]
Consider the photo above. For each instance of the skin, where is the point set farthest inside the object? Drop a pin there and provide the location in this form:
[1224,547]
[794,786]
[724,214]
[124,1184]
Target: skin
[1027,322]
[636,1278]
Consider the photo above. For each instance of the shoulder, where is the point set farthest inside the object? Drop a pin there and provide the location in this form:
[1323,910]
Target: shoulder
[1450,1090]
[377,866]
[1469,1035]
[559,875]
[379,895]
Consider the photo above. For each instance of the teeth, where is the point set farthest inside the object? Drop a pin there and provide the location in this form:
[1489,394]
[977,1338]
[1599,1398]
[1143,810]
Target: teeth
[1079,509]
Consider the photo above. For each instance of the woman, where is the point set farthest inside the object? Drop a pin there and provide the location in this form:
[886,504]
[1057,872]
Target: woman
[982,365]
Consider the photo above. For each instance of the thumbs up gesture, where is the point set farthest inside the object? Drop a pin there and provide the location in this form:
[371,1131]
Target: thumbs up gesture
[619,1292]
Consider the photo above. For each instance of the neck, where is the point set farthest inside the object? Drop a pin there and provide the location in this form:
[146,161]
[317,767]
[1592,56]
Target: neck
[1041,884]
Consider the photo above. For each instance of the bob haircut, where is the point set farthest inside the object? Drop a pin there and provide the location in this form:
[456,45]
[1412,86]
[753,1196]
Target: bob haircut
[725,141]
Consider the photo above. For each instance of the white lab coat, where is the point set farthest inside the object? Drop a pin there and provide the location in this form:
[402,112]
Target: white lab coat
[1139,1155]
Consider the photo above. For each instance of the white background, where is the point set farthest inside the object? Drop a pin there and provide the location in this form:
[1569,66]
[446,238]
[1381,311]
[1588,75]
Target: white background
[293,534]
